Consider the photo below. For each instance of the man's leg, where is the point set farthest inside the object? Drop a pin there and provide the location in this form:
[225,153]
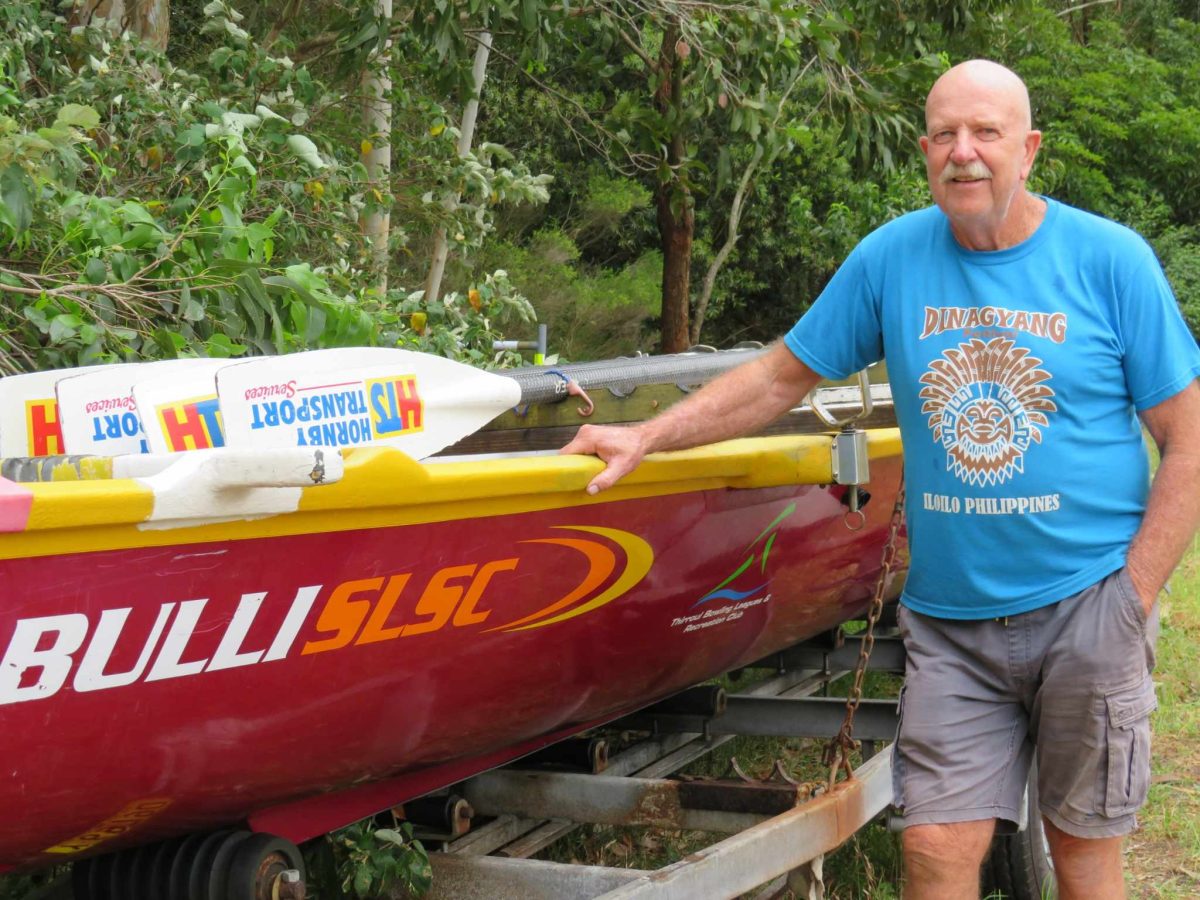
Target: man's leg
[961,760]
[1087,868]
[1091,721]
[942,862]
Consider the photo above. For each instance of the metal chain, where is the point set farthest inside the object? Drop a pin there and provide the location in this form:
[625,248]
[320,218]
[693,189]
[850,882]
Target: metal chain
[837,753]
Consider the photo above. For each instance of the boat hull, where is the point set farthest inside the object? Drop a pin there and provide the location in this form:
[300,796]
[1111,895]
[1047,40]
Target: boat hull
[302,672]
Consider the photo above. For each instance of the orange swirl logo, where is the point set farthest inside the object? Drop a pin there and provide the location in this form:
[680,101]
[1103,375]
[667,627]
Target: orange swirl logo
[602,562]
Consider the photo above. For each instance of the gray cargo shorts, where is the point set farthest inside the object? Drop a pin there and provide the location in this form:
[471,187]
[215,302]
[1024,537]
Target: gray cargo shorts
[1069,682]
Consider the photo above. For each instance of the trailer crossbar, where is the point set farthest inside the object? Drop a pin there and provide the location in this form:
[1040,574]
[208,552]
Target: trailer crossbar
[724,870]
[746,860]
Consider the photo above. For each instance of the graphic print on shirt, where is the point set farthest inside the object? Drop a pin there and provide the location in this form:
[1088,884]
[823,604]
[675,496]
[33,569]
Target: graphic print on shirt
[986,404]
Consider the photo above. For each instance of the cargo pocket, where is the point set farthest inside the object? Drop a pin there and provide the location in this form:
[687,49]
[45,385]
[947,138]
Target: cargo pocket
[1128,738]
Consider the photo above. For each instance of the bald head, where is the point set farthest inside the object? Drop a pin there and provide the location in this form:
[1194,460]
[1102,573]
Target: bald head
[979,148]
[1003,84]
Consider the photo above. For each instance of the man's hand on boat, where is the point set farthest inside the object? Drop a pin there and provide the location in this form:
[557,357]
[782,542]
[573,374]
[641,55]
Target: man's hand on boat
[741,401]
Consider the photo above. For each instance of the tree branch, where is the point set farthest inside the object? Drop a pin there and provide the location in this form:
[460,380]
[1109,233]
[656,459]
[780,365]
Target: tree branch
[731,239]
[1063,13]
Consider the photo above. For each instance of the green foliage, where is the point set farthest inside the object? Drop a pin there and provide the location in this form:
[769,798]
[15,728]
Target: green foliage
[591,312]
[458,326]
[376,862]
[1117,97]
[1179,251]
[150,211]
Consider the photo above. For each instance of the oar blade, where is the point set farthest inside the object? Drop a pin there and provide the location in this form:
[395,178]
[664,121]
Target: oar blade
[29,421]
[99,412]
[350,397]
[179,410]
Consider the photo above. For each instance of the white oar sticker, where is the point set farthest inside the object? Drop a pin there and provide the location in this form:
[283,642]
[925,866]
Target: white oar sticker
[351,397]
[29,420]
[179,411]
[98,411]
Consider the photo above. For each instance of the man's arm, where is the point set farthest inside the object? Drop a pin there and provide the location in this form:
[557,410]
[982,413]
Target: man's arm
[1173,510]
[739,402]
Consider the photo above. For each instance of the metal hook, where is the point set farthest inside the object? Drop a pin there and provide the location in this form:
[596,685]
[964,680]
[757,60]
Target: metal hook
[573,389]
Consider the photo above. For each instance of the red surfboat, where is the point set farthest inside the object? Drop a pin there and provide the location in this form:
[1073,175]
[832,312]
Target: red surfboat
[195,641]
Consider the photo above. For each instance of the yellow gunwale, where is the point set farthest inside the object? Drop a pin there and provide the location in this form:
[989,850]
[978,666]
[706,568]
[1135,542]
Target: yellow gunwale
[382,487]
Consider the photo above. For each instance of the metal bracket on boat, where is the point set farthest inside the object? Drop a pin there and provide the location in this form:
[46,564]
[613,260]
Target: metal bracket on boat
[868,405]
[851,462]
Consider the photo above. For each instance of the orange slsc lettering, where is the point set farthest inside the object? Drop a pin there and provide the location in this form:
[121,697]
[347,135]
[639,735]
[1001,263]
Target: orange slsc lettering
[343,615]
[465,614]
[374,631]
[439,599]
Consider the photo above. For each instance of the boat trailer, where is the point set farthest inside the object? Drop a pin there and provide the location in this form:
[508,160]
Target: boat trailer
[779,830]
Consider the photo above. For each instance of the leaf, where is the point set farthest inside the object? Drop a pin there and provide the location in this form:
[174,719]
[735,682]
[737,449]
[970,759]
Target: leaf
[193,310]
[193,136]
[221,347]
[265,113]
[362,882]
[63,327]
[306,150]
[95,271]
[390,835]
[16,202]
[73,114]
[169,342]
[298,313]
[316,323]
[123,265]
[141,236]
[529,15]
[219,57]
[253,311]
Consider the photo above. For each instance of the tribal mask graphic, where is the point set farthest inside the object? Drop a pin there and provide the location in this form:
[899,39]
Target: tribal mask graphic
[986,403]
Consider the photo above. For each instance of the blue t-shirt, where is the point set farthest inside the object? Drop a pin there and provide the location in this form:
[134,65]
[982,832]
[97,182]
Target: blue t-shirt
[1016,375]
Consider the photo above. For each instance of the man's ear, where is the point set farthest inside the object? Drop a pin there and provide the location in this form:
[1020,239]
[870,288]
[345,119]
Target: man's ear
[1033,141]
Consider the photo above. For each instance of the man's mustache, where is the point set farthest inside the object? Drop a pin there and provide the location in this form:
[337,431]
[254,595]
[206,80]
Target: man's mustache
[974,169]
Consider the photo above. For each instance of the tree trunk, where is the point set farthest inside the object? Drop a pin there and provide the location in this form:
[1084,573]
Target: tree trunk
[731,239]
[676,208]
[150,20]
[466,134]
[377,110]
[676,223]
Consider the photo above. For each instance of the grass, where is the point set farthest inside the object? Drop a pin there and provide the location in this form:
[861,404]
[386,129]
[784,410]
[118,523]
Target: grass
[1163,857]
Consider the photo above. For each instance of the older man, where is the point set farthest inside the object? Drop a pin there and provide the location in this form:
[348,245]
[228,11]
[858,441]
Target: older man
[1023,339]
